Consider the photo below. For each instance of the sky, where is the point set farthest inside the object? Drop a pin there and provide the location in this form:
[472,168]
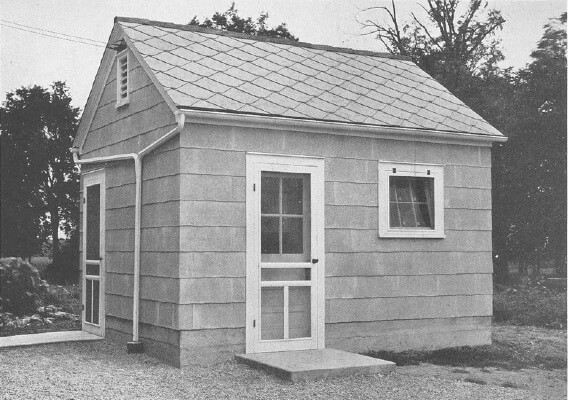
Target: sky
[27,58]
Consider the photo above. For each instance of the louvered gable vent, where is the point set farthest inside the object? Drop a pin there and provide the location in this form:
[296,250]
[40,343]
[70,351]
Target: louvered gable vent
[122,95]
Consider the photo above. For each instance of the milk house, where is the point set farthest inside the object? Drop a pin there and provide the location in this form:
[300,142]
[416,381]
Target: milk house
[244,195]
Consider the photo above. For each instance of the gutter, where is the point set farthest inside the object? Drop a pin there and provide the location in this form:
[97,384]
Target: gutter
[338,128]
[135,346]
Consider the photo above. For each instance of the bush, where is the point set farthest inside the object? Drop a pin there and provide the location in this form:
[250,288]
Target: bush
[64,270]
[21,287]
[530,303]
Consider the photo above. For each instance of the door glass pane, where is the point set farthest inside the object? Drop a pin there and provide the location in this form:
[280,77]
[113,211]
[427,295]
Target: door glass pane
[285,274]
[292,196]
[93,269]
[270,195]
[272,313]
[285,217]
[93,222]
[292,235]
[96,302]
[300,314]
[89,301]
[270,235]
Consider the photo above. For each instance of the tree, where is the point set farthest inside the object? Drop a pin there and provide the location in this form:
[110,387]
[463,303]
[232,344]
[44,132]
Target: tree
[232,22]
[453,49]
[40,187]
[532,173]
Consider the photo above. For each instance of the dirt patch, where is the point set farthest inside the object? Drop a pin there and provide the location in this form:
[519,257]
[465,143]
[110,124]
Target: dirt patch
[548,384]
[521,357]
[513,348]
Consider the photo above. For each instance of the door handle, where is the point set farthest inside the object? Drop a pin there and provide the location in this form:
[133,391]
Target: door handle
[315,260]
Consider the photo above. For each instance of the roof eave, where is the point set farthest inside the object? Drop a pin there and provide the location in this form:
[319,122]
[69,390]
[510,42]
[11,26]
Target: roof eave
[210,117]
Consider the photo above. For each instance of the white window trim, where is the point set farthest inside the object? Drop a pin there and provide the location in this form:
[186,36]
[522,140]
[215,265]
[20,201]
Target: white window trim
[121,101]
[386,169]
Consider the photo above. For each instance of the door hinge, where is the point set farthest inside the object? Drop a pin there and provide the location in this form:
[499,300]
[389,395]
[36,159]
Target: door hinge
[254,187]
[254,323]
[84,200]
[82,307]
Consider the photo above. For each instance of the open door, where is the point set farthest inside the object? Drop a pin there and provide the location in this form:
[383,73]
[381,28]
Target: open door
[285,253]
[93,263]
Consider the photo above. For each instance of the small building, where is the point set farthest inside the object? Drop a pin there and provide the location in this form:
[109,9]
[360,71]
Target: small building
[245,194]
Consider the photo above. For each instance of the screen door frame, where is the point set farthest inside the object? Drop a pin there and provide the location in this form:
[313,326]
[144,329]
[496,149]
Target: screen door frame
[256,164]
[90,179]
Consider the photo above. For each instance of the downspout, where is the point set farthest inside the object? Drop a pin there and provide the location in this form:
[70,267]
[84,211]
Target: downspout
[135,346]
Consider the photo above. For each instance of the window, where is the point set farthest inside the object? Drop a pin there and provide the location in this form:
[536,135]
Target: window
[411,200]
[122,92]
[285,217]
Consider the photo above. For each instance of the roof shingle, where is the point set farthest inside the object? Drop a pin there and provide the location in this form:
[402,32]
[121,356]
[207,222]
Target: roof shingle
[208,69]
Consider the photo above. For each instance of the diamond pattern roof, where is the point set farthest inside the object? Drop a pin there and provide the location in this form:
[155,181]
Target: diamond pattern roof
[207,69]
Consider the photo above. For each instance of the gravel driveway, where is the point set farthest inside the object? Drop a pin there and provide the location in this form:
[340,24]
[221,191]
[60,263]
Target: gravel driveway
[100,370]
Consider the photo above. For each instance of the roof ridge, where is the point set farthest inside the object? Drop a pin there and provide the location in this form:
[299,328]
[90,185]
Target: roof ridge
[213,31]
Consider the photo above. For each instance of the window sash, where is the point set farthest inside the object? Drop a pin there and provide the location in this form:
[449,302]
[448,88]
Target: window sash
[416,209]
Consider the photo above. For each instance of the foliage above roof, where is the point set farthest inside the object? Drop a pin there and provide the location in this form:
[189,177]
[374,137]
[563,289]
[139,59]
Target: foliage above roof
[206,69]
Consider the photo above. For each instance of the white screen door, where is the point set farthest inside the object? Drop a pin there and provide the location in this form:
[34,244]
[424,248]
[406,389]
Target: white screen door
[93,252]
[285,255]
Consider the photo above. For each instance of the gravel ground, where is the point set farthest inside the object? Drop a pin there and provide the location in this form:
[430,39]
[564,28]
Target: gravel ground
[101,370]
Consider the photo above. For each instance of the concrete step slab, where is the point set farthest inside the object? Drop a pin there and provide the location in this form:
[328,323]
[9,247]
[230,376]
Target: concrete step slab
[314,364]
[47,337]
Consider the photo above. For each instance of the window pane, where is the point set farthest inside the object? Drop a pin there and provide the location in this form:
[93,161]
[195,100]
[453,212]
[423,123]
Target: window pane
[93,222]
[394,220]
[419,188]
[89,301]
[407,215]
[292,194]
[92,269]
[269,235]
[402,186]
[270,200]
[412,204]
[286,274]
[96,302]
[423,218]
[300,315]
[292,236]
[392,189]
[272,313]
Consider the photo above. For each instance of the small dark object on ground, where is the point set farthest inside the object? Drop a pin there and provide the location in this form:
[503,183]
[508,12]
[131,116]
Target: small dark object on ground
[476,381]
[460,371]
